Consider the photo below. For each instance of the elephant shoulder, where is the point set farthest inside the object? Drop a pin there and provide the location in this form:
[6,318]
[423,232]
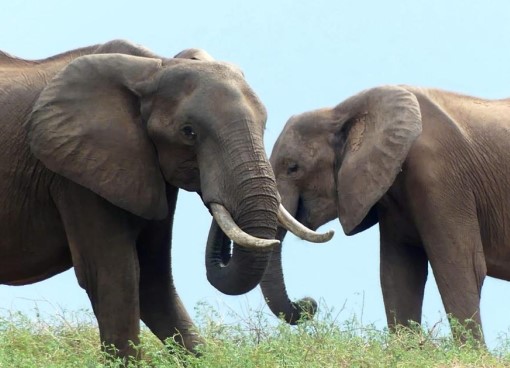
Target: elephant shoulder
[10,61]
[11,65]
[442,117]
[15,70]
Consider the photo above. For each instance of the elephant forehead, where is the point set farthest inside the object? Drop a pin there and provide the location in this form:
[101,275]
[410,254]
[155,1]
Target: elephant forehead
[295,146]
[212,85]
[205,72]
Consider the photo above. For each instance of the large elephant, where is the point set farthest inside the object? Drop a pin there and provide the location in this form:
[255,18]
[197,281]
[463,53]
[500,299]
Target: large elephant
[94,144]
[431,167]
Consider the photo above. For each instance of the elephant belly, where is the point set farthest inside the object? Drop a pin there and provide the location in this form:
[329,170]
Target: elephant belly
[32,258]
[496,243]
[498,264]
[33,244]
[28,268]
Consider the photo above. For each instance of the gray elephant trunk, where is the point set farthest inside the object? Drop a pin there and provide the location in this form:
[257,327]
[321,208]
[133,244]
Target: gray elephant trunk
[254,211]
[273,283]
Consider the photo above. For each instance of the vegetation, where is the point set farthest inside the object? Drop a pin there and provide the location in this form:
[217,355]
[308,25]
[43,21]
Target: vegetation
[71,340]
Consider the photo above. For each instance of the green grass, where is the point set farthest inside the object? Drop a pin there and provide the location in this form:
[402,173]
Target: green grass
[255,340]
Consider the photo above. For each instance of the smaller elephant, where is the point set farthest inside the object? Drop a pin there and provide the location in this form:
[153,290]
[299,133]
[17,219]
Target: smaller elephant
[431,167]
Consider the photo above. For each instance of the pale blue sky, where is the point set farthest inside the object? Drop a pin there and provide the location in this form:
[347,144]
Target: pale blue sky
[297,56]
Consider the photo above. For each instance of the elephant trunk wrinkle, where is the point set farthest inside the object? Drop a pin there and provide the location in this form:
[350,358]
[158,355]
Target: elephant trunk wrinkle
[254,209]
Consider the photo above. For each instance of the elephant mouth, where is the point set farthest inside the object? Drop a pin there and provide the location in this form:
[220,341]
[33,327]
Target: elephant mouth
[226,250]
[303,215]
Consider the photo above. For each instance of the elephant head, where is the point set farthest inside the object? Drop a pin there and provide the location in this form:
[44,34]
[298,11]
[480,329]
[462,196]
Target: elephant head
[194,54]
[126,127]
[338,162]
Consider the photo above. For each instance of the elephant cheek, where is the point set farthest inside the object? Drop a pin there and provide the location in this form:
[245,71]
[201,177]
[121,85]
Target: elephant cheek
[187,178]
[182,173]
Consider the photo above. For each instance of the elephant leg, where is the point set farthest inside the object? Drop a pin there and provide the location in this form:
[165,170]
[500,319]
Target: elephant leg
[457,260]
[161,308]
[102,240]
[449,228]
[404,269]
[114,297]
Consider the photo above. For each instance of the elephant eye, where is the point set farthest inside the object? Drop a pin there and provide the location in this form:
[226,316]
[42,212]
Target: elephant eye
[188,132]
[292,168]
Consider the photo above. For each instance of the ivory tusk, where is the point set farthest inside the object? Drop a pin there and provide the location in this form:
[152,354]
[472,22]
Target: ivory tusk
[238,236]
[297,228]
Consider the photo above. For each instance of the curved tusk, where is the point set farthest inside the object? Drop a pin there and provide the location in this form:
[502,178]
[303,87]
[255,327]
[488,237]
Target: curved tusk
[297,228]
[238,236]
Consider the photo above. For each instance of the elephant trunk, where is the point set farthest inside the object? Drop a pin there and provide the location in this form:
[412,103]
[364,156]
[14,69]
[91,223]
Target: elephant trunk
[254,210]
[273,283]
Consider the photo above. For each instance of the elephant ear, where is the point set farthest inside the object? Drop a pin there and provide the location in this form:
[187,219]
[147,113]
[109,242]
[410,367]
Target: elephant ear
[86,126]
[383,123]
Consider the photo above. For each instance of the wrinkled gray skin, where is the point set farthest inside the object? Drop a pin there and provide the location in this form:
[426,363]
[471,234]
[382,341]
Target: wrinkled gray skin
[94,144]
[431,167]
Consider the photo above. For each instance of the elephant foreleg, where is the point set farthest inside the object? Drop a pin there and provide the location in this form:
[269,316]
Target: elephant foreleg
[457,260]
[161,308]
[102,239]
[115,302]
[163,312]
[450,232]
[403,273]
